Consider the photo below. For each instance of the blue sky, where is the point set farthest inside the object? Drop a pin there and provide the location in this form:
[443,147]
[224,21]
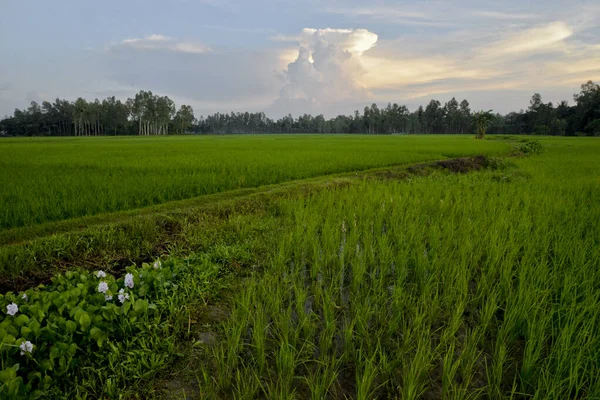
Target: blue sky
[298,56]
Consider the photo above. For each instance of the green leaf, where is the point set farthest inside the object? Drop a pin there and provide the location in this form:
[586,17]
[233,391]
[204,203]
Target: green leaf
[36,394]
[98,335]
[35,327]
[143,291]
[9,339]
[75,292]
[25,332]
[140,306]
[85,321]
[34,375]
[46,365]
[7,375]
[14,386]
[36,312]
[58,301]
[62,362]
[70,326]
[21,320]
[72,350]
[54,352]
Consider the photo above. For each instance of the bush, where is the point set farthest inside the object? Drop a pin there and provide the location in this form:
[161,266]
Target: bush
[530,146]
[51,332]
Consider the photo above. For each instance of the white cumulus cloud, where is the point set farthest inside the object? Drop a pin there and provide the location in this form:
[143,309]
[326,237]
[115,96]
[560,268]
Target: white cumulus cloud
[327,70]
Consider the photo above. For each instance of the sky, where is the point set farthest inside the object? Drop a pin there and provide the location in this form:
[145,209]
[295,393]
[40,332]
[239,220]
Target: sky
[303,56]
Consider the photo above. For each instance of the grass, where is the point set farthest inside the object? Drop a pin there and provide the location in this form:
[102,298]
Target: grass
[57,179]
[393,284]
[448,286]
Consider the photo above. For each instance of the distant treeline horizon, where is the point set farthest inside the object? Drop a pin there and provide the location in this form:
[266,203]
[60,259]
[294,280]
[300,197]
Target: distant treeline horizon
[149,114]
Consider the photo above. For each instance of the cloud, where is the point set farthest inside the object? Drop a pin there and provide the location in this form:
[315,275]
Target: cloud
[533,58]
[285,38]
[355,41]
[504,15]
[334,71]
[327,70]
[394,14]
[223,80]
[161,42]
[542,38]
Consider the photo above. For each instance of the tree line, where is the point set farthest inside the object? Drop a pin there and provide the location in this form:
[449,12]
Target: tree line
[145,114]
[149,114]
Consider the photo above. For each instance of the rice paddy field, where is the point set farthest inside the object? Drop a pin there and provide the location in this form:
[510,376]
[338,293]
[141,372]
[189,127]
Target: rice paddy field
[53,179]
[397,283]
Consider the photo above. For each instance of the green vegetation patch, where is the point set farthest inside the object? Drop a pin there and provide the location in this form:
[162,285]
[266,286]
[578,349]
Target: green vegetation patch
[432,285]
[446,286]
[56,179]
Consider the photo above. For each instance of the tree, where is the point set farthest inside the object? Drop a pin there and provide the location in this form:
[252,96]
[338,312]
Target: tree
[465,116]
[453,116]
[482,120]
[434,117]
[185,118]
[588,107]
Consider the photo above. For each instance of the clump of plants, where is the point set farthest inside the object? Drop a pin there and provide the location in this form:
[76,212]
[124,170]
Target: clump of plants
[50,332]
[531,146]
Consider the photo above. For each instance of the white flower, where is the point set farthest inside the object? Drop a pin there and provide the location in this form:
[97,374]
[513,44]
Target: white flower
[103,287]
[26,347]
[108,297]
[24,297]
[100,274]
[12,309]
[129,281]
[157,264]
[123,296]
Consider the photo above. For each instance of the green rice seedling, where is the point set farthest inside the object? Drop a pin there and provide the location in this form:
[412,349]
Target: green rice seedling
[321,379]
[247,384]
[366,376]
[259,337]
[285,366]
[417,366]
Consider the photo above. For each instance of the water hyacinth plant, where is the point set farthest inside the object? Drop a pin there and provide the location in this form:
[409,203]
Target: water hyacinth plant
[50,331]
